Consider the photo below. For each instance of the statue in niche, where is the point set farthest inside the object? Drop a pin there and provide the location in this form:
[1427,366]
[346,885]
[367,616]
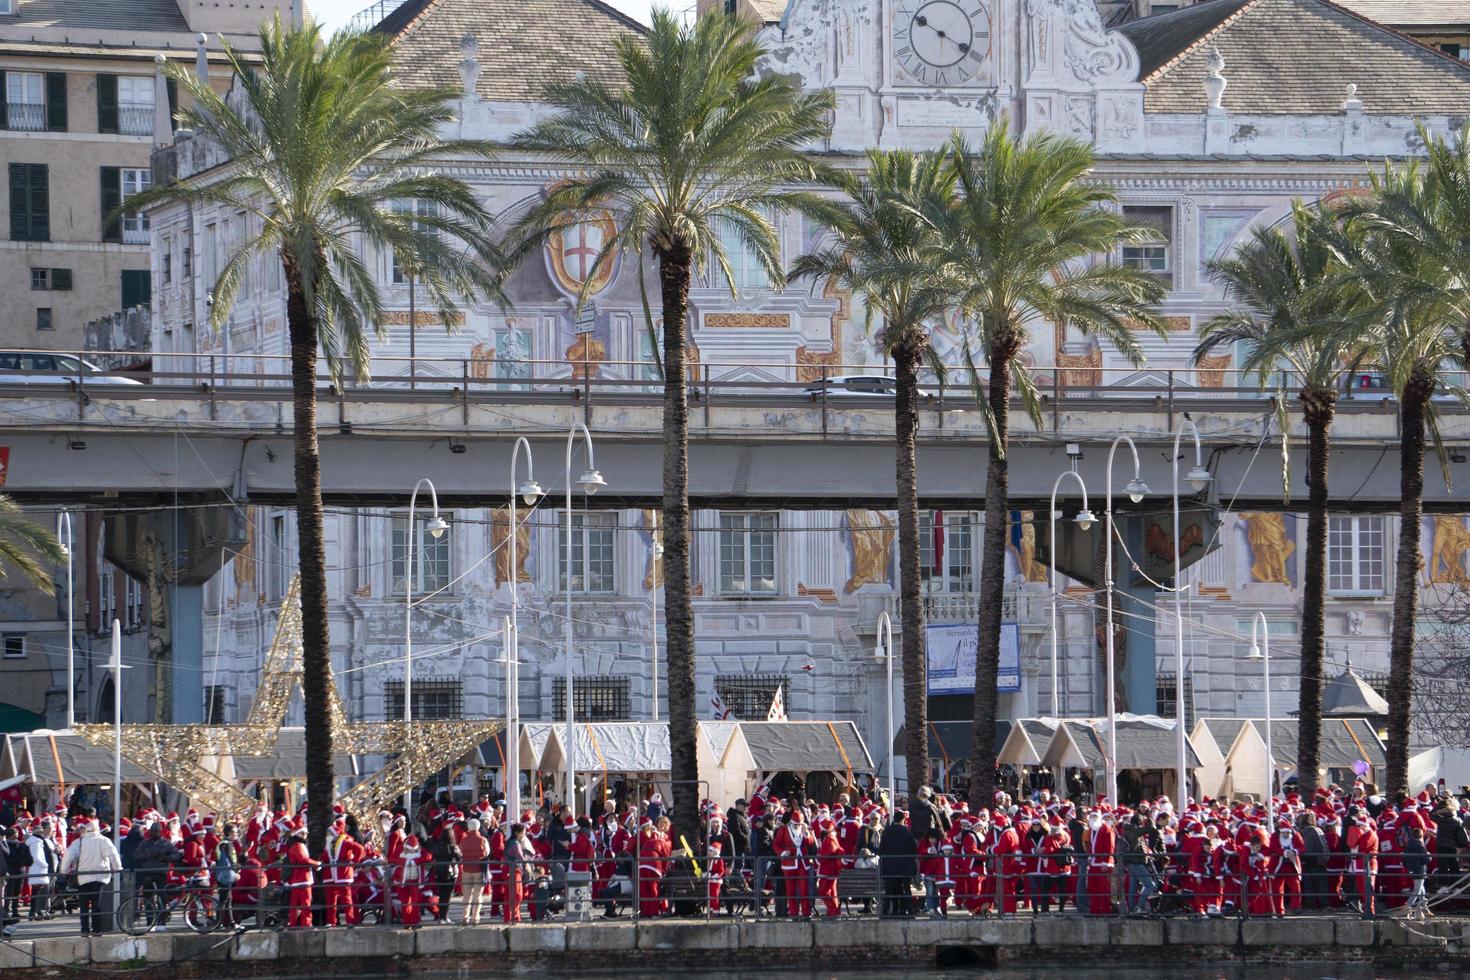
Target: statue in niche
[499,536]
[1025,549]
[871,534]
[1271,547]
[245,561]
[1447,558]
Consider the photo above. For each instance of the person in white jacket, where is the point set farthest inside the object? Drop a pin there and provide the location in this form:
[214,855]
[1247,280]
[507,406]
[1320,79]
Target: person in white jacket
[93,858]
[41,874]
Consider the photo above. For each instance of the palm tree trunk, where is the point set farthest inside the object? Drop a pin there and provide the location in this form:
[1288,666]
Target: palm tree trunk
[316,664]
[1412,406]
[911,606]
[992,569]
[673,269]
[1318,405]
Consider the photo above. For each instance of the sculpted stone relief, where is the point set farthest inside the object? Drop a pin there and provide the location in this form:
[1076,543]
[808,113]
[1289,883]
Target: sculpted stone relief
[1446,563]
[1271,547]
[871,534]
[499,535]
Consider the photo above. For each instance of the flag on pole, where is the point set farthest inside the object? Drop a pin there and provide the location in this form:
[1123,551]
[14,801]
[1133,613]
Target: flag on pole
[721,710]
[778,706]
[938,568]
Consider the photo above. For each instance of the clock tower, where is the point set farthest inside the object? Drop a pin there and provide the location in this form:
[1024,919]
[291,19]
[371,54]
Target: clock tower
[911,72]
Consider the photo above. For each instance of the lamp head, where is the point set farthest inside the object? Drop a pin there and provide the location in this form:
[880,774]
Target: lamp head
[1136,490]
[530,492]
[1198,478]
[437,527]
[591,482]
[1255,653]
[65,551]
[1085,519]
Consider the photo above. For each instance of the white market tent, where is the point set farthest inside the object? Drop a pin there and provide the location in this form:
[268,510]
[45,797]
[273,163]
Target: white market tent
[1213,739]
[1146,745]
[1027,740]
[764,750]
[1344,741]
[1440,762]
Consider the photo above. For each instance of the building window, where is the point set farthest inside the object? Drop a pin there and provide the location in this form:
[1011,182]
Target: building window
[7,6]
[398,272]
[61,279]
[137,287]
[214,704]
[135,181]
[592,552]
[1166,696]
[1155,253]
[133,604]
[41,279]
[431,555]
[432,700]
[106,593]
[25,100]
[746,271]
[166,248]
[15,646]
[30,202]
[946,549]
[43,318]
[186,262]
[280,567]
[135,105]
[593,698]
[748,553]
[1355,556]
[749,696]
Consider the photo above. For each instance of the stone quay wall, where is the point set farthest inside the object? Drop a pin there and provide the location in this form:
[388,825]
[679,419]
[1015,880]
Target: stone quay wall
[1440,945]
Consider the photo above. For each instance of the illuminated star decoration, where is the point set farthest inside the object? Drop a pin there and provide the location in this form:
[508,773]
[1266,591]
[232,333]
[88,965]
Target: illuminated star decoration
[198,760]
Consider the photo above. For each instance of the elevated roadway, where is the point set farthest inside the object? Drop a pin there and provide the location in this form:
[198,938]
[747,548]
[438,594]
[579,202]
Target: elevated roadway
[752,444]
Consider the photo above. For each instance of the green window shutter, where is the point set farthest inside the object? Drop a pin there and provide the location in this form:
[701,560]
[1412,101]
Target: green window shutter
[56,101]
[4,106]
[173,97]
[137,288]
[20,202]
[61,279]
[106,103]
[40,203]
[111,201]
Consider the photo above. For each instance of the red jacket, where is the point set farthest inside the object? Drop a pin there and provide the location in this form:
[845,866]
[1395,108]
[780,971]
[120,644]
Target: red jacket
[341,859]
[793,846]
[1104,846]
[583,851]
[652,850]
[299,863]
[831,856]
[1053,847]
[409,867]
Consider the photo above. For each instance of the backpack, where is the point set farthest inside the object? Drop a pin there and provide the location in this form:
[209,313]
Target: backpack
[224,864]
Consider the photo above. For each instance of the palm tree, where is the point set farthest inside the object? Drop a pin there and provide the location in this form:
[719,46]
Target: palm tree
[882,253]
[1294,302]
[689,144]
[1024,237]
[320,151]
[27,546]
[1419,343]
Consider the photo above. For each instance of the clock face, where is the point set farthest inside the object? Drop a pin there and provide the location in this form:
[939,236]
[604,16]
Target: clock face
[941,42]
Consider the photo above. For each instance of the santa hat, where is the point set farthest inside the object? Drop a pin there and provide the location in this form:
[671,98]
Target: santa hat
[645,822]
[411,842]
[208,822]
[569,821]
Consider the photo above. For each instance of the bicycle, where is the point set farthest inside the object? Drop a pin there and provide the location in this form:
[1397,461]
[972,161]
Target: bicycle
[146,909]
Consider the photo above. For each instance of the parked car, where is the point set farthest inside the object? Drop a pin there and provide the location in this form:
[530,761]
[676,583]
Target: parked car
[44,367]
[859,386]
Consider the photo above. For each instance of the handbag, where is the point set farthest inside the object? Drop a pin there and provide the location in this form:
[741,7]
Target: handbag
[866,862]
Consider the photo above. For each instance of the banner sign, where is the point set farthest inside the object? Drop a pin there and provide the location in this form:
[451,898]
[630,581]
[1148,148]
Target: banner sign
[951,651]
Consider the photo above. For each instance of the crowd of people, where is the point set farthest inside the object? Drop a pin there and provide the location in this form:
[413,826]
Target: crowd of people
[1344,849]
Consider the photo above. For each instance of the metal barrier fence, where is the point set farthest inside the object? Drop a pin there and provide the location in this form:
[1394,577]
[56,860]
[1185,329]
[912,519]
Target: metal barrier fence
[645,883]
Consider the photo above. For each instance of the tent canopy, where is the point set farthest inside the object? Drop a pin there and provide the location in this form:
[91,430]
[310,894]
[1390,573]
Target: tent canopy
[1223,731]
[1344,741]
[1027,742]
[80,762]
[1143,742]
[622,747]
[288,761]
[950,740]
[1349,696]
[801,746]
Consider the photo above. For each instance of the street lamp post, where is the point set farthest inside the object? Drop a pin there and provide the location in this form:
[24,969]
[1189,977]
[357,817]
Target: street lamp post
[1261,650]
[530,492]
[658,552]
[590,481]
[1084,520]
[884,649]
[68,547]
[1136,490]
[510,749]
[1198,478]
[436,527]
[116,665]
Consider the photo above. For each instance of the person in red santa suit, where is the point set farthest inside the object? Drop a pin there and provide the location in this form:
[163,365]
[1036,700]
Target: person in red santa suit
[397,833]
[1393,883]
[1056,865]
[794,846]
[650,849]
[967,856]
[719,846]
[499,869]
[211,834]
[341,858]
[1285,851]
[1258,888]
[849,830]
[410,875]
[1010,864]
[1363,865]
[1194,859]
[299,867]
[1102,857]
[830,860]
[1337,858]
